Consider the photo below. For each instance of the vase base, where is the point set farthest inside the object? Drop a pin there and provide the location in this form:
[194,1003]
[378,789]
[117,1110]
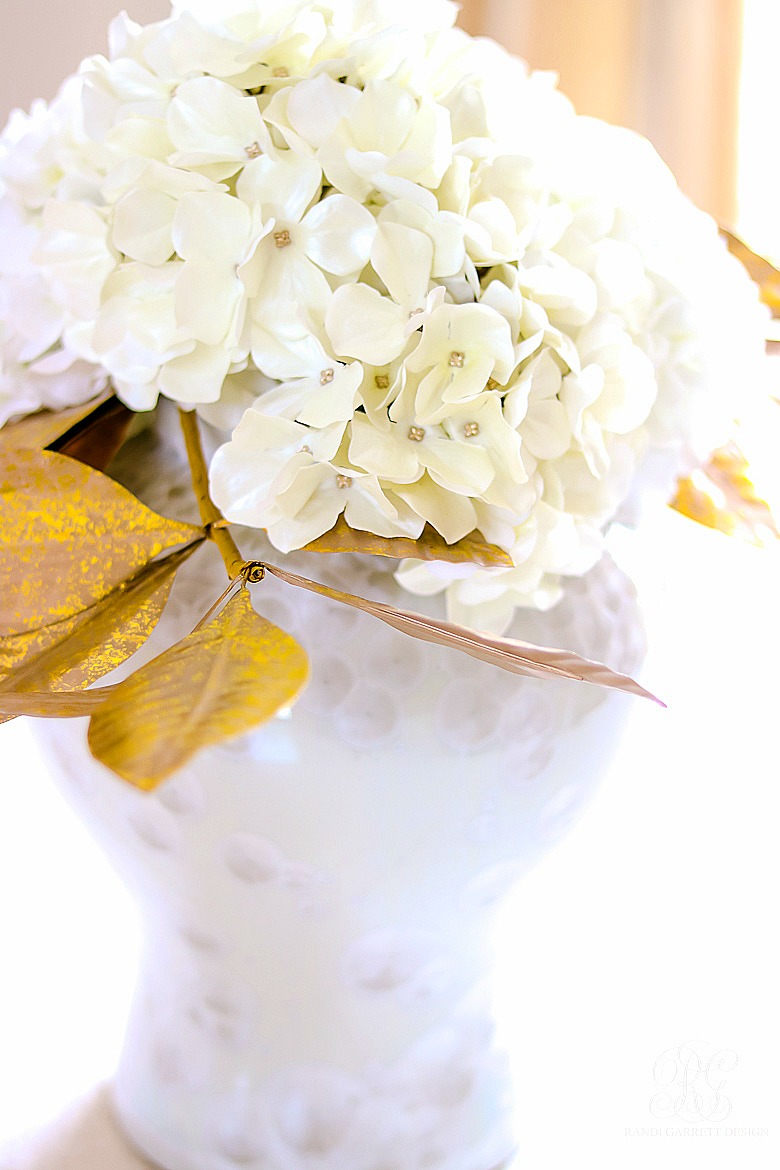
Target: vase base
[155,1153]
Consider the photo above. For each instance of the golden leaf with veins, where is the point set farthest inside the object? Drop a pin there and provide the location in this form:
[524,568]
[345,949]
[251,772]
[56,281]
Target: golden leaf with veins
[220,681]
[68,536]
[45,427]
[430,546]
[515,656]
[77,651]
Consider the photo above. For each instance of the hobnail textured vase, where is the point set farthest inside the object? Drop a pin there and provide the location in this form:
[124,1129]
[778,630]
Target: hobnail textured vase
[317,896]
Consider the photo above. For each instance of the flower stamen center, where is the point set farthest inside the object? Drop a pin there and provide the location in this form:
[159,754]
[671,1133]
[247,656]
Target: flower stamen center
[326,377]
[471,430]
[344,481]
[254,151]
[416,434]
[283,239]
[457,359]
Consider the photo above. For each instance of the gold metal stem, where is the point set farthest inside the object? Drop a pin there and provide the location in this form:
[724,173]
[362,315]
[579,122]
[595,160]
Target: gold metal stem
[213,520]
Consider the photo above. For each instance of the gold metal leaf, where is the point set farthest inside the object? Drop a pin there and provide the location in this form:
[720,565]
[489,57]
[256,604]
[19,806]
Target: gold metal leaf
[219,682]
[515,656]
[68,536]
[77,651]
[43,428]
[430,546]
[722,496]
[762,271]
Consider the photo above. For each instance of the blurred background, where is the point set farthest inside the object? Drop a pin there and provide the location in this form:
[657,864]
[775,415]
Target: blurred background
[695,76]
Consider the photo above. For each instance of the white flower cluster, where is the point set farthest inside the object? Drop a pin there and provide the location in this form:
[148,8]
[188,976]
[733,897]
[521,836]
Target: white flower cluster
[398,268]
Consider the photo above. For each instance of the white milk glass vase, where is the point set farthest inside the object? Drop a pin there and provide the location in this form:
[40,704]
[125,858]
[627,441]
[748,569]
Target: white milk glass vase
[315,990]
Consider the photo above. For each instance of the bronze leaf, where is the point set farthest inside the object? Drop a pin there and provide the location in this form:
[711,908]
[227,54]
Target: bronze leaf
[514,656]
[96,439]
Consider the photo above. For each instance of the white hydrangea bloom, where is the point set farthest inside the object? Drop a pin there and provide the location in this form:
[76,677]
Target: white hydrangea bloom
[398,272]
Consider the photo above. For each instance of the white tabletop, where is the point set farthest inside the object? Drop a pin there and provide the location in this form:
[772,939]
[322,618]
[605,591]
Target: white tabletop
[652,923]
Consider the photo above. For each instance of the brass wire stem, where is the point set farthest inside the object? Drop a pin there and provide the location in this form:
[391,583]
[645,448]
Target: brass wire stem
[213,520]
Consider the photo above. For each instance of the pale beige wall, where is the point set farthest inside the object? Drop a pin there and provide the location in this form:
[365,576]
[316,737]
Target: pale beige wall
[42,41]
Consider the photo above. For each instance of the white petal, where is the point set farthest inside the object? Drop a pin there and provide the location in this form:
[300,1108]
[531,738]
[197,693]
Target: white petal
[390,454]
[450,514]
[143,226]
[283,346]
[316,107]
[459,467]
[368,509]
[546,431]
[333,401]
[363,324]
[209,301]
[337,235]
[75,255]
[383,118]
[136,395]
[212,228]
[568,294]
[402,258]
[196,377]
[629,393]
[291,286]
[284,187]
[210,122]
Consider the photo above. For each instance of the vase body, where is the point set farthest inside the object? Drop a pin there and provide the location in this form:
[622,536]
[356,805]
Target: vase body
[318,896]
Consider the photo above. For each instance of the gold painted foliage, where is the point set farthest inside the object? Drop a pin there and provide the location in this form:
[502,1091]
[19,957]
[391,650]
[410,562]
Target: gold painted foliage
[473,549]
[721,495]
[238,670]
[68,537]
[761,270]
[77,651]
[219,682]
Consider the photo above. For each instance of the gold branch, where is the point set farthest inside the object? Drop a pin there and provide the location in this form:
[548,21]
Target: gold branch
[210,514]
